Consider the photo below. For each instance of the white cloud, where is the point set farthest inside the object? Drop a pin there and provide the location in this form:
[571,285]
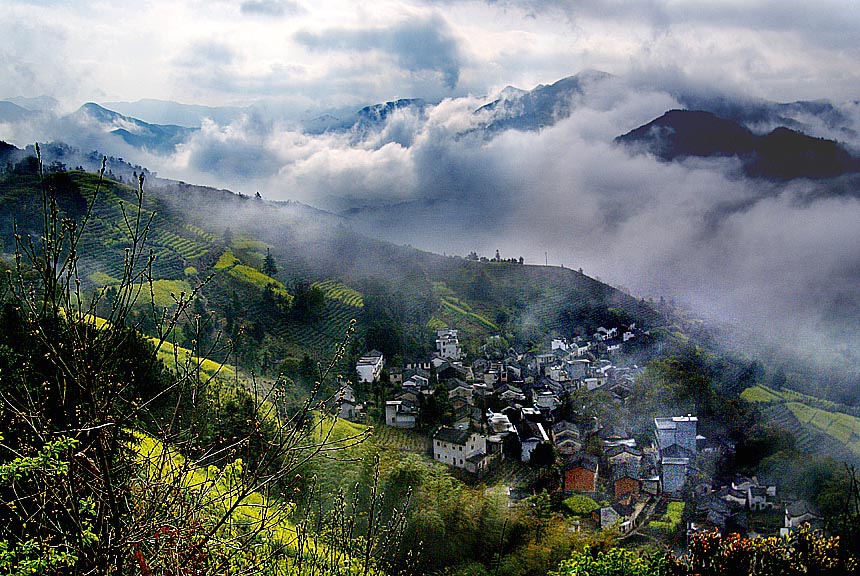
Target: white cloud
[86,50]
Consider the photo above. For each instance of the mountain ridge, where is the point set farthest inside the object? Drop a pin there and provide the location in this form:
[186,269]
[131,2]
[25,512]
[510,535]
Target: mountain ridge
[782,154]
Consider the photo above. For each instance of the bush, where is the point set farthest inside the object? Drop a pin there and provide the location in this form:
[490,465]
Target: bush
[580,505]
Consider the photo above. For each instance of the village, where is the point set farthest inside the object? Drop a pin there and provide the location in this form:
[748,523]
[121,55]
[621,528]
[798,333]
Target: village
[520,407]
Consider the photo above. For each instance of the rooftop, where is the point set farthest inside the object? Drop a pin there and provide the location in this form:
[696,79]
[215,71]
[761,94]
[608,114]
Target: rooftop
[671,423]
[451,435]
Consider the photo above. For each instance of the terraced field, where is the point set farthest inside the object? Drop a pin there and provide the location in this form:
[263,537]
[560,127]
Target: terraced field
[165,293]
[453,311]
[323,334]
[814,426]
[512,474]
[465,312]
[229,263]
[399,439]
[337,291]
[183,360]
[175,243]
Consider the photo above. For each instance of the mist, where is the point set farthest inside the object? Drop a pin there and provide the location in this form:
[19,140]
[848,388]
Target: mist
[778,261]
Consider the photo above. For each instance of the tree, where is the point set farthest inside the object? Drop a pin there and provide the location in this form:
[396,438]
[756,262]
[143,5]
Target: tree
[269,266]
[615,562]
[308,300]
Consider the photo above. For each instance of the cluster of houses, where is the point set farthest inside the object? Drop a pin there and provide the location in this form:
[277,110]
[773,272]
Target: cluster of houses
[729,507]
[505,407]
[510,408]
[628,476]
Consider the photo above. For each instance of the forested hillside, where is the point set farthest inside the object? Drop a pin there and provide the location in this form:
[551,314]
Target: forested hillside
[170,368]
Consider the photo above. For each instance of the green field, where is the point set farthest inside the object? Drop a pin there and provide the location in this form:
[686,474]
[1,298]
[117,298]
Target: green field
[465,313]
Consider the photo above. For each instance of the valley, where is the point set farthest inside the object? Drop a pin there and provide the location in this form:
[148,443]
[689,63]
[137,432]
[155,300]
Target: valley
[559,378]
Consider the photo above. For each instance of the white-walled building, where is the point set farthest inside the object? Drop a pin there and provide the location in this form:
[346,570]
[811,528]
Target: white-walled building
[400,414]
[455,447]
[448,345]
[680,430]
[369,366]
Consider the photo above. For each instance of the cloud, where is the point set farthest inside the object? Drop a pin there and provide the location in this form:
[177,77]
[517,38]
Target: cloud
[418,44]
[779,257]
[273,8]
[780,260]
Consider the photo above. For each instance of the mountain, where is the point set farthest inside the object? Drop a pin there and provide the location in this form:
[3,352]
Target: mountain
[166,112]
[373,117]
[514,108]
[763,115]
[10,112]
[156,138]
[37,104]
[782,154]
[366,121]
[543,106]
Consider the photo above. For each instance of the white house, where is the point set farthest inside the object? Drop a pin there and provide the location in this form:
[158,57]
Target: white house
[545,400]
[680,430]
[346,402]
[500,423]
[676,442]
[400,414]
[454,447]
[762,498]
[531,434]
[369,366]
[416,382]
[447,344]
[796,513]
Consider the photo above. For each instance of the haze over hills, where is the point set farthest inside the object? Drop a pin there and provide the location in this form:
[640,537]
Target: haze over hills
[539,173]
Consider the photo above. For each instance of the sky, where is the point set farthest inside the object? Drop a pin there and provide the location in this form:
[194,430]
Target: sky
[780,259]
[304,56]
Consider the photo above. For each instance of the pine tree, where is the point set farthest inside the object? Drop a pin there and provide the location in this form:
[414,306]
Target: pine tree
[269,266]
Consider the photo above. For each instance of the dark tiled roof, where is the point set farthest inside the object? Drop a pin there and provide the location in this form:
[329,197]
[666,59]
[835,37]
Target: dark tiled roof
[582,460]
[625,470]
[452,435]
[676,451]
[476,457]
[799,508]
[613,451]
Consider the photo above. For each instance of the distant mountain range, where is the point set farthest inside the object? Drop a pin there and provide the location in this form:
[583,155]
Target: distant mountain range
[174,113]
[11,112]
[770,138]
[543,106]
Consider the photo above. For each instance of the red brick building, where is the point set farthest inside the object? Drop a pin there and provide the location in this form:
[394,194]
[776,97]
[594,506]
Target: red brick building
[625,480]
[580,473]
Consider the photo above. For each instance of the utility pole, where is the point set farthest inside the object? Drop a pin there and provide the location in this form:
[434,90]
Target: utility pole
[545,259]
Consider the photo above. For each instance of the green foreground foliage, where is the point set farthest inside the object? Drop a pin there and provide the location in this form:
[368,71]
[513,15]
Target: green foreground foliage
[709,554]
[113,463]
